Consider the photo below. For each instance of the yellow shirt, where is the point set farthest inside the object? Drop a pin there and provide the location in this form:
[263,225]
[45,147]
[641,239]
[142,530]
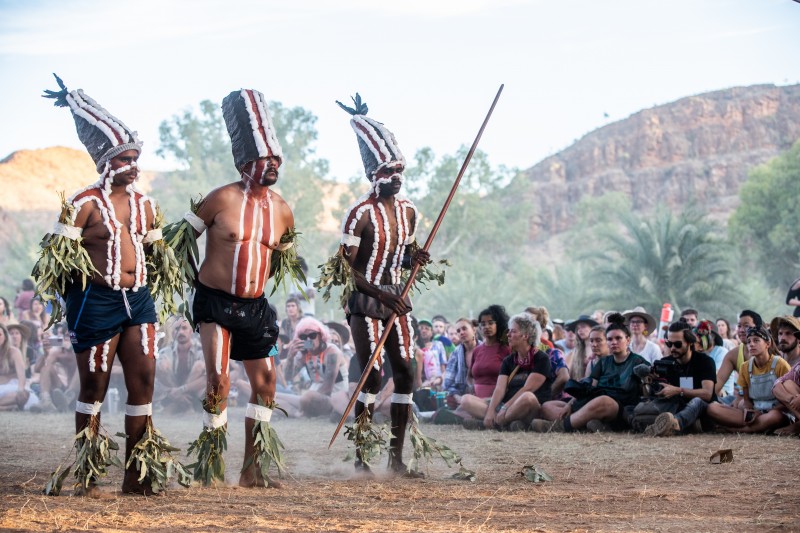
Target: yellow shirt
[781,368]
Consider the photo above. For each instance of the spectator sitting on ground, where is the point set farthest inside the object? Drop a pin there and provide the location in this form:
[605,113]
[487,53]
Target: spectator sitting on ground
[613,387]
[733,360]
[22,302]
[322,361]
[783,330]
[641,325]
[181,370]
[576,359]
[433,361]
[293,315]
[13,393]
[691,317]
[787,391]
[759,410]
[486,360]
[524,382]
[729,341]
[457,377]
[36,312]
[439,324]
[6,313]
[559,372]
[453,335]
[598,347]
[340,337]
[682,385]
[58,376]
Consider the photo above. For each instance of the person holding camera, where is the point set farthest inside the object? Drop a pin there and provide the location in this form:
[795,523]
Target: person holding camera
[680,386]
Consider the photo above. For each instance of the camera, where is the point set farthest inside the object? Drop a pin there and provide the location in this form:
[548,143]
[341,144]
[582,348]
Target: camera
[659,374]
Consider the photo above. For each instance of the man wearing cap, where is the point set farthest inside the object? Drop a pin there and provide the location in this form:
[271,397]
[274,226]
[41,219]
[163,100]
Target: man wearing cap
[576,359]
[684,388]
[114,315]
[377,242]
[787,391]
[244,222]
[642,324]
[783,330]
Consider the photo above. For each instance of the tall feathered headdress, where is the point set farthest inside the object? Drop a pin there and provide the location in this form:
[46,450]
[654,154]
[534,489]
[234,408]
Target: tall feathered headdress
[250,127]
[103,134]
[377,144]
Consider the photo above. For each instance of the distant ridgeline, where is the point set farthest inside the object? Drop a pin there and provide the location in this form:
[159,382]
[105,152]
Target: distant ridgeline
[700,147]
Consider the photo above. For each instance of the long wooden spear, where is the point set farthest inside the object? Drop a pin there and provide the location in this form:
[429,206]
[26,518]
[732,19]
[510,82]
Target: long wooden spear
[387,330]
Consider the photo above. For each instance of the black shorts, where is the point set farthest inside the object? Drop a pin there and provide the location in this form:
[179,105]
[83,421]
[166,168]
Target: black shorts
[99,313]
[251,321]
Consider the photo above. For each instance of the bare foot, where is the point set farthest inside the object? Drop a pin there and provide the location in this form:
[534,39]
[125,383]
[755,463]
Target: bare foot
[363,471]
[398,469]
[791,429]
[93,492]
[131,485]
[252,478]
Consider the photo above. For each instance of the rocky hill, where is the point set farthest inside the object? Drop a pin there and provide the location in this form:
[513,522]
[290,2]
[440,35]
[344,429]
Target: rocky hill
[700,147]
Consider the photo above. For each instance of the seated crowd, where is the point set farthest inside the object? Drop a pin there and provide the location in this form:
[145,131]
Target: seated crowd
[526,372]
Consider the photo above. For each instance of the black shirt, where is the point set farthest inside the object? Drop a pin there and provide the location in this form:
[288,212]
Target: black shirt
[539,363]
[700,368]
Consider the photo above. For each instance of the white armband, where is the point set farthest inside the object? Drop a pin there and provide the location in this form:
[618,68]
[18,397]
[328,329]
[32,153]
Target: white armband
[70,232]
[283,247]
[410,239]
[196,222]
[152,236]
[350,240]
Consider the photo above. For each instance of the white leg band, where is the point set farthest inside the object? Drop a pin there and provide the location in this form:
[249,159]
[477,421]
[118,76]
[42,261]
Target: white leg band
[88,408]
[402,398]
[212,421]
[366,398]
[139,410]
[196,222]
[258,412]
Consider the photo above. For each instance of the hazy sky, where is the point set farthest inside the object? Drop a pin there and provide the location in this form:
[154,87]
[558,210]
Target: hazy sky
[427,68]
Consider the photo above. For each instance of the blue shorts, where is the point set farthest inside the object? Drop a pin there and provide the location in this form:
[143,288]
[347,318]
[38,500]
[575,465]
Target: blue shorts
[99,313]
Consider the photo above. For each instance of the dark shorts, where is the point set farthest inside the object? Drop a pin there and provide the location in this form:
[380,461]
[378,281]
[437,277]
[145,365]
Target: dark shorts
[99,313]
[251,321]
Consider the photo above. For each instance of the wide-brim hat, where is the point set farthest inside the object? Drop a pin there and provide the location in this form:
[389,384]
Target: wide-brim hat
[341,329]
[788,320]
[640,312]
[583,318]
[25,330]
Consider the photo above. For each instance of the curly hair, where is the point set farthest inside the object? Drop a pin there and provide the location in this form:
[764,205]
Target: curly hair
[529,326]
[500,317]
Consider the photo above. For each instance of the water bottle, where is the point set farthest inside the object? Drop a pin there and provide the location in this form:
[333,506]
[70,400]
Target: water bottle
[666,317]
[113,401]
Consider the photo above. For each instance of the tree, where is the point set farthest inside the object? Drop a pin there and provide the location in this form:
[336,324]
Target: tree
[766,223]
[662,258]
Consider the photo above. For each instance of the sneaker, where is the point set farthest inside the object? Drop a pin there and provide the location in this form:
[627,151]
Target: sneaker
[540,425]
[473,424]
[664,425]
[597,426]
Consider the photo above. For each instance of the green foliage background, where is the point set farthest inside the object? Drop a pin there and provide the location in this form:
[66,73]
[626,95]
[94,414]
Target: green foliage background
[612,258]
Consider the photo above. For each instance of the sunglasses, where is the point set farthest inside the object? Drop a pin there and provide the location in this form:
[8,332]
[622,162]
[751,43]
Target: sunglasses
[676,344]
[310,336]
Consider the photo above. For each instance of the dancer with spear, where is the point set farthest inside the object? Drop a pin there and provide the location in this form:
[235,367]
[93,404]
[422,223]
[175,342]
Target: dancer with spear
[378,241]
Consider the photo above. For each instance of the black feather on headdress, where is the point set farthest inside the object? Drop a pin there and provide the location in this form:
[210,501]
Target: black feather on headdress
[60,97]
[360,109]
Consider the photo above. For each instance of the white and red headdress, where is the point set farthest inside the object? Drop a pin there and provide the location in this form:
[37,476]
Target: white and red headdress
[377,144]
[103,134]
[250,127]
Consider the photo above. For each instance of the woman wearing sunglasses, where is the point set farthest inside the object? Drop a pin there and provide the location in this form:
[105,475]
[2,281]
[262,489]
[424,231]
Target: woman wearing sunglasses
[319,363]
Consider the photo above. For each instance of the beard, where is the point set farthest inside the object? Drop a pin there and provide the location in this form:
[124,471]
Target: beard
[260,173]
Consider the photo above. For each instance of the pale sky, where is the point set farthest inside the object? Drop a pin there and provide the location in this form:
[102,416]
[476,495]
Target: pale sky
[427,69]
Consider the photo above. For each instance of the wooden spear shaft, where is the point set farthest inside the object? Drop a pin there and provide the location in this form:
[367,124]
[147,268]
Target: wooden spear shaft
[415,268]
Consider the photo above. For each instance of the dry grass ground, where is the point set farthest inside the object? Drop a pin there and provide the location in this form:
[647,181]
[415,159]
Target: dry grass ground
[602,482]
